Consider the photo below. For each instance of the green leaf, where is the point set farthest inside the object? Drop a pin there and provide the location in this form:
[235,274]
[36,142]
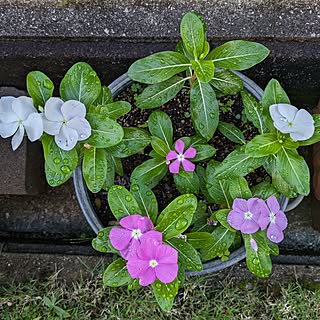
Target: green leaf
[200,240]
[40,88]
[201,172]
[238,55]
[149,172]
[316,136]
[204,69]
[146,200]
[104,131]
[205,50]
[160,125]
[186,182]
[221,215]
[254,111]
[55,179]
[122,203]
[192,34]
[102,242]
[274,94]
[116,109]
[60,161]
[238,163]
[264,190]
[159,146]
[188,255]
[118,168]
[231,132]
[177,216]
[105,96]
[263,145]
[226,82]
[158,67]
[133,141]
[223,239]
[294,170]
[239,188]
[204,151]
[165,293]
[110,172]
[204,109]
[157,94]
[94,168]
[80,83]
[116,274]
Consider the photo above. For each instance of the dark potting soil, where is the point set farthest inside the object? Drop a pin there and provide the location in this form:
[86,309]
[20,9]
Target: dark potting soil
[230,111]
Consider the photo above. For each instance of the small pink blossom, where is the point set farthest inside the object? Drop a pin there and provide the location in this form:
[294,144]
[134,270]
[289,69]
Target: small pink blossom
[154,261]
[127,239]
[180,158]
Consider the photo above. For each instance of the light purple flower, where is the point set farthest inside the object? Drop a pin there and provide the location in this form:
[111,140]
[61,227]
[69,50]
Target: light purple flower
[66,121]
[288,119]
[272,216]
[128,239]
[253,244]
[180,158]
[245,214]
[154,261]
[18,115]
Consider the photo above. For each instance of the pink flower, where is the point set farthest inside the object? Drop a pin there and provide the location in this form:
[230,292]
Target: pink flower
[272,215]
[127,239]
[180,158]
[154,261]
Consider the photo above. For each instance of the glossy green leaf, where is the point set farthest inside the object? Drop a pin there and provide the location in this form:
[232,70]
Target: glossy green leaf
[55,179]
[264,190]
[40,88]
[94,168]
[160,125]
[177,216]
[288,143]
[230,131]
[105,96]
[157,94]
[104,131]
[316,136]
[159,146]
[122,203]
[80,83]
[165,293]
[239,188]
[204,69]
[263,145]
[188,256]
[149,172]
[226,82]
[204,151]
[204,109]
[200,240]
[192,34]
[201,172]
[158,67]
[110,176]
[274,94]
[221,215]
[223,239]
[115,110]
[205,50]
[186,182]
[118,168]
[116,274]
[238,54]
[133,141]
[146,200]
[102,242]
[294,170]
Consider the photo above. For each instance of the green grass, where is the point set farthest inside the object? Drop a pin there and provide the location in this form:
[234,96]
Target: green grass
[201,298]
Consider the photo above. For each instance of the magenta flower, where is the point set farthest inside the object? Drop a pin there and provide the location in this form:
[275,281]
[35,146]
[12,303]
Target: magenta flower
[180,158]
[154,261]
[127,239]
[245,214]
[272,215]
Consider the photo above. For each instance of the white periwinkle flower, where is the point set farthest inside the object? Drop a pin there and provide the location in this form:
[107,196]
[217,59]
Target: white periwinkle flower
[66,121]
[18,115]
[288,119]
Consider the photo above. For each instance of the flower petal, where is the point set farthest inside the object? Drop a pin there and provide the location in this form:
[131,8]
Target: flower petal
[249,227]
[51,127]
[235,219]
[171,155]
[166,254]
[6,104]
[8,129]
[254,206]
[34,126]
[131,251]
[179,146]
[73,109]
[17,138]
[188,166]
[190,153]
[136,267]
[148,277]
[147,248]
[145,224]
[254,244]
[287,111]
[240,205]
[23,106]
[120,238]
[82,126]
[136,221]
[166,273]
[8,117]
[67,138]
[273,204]
[52,109]
[274,233]
[174,166]
[155,236]
[281,220]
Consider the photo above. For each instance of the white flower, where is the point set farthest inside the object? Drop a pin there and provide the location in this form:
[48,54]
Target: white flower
[66,121]
[18,115]
[288,119]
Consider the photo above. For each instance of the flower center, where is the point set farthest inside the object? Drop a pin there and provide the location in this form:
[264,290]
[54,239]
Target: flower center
[64,122]
[248,215]
[153,263]
[272,217]
[180,157]
[136,234]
